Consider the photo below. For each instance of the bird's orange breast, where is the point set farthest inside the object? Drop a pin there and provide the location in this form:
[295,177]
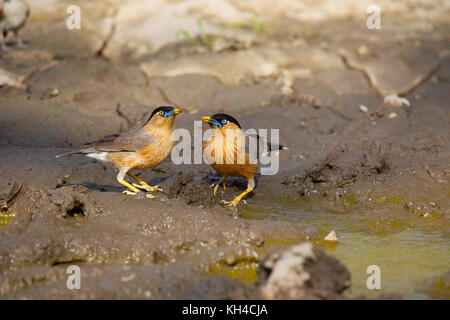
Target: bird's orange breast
[150,156]
[228,157]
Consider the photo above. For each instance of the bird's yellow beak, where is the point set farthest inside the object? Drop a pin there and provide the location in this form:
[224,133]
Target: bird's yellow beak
[177,111]
[206,119]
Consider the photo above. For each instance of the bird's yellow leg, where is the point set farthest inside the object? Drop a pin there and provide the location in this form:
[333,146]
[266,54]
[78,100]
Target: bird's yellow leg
[216,185]
[235,201]
[129,186]
[143,184]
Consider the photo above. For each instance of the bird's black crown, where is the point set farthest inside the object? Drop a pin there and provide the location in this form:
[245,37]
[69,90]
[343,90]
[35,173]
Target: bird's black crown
[220,116]
[162,108]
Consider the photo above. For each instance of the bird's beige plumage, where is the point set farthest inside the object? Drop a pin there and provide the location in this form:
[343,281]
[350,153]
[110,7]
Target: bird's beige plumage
[138,149]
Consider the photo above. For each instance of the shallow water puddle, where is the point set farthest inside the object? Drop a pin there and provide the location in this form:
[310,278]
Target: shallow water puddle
[6,216]
[405,249]
[406,259]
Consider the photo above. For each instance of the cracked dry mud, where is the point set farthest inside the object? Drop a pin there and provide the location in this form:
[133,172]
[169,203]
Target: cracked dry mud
[378,174]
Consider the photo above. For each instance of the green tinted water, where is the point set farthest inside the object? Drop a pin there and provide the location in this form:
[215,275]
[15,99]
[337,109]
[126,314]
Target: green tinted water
[407,247]
[6,216]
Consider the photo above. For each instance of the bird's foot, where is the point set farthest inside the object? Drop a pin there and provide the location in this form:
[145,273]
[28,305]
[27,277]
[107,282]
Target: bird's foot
[216,186]
[150,196]
[129,192]
[229,203]
[233,202]
[146,187]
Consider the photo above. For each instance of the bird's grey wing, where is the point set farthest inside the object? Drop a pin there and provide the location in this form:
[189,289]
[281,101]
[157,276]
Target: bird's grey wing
[132,141]
[107,138]
[263,145]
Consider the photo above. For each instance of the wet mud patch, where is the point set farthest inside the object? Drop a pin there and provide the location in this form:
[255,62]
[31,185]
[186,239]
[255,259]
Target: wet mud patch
[338,169]
[73,201]
[72,224]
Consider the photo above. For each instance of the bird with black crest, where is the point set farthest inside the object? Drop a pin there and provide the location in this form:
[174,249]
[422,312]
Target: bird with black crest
[142,148]
[226,152]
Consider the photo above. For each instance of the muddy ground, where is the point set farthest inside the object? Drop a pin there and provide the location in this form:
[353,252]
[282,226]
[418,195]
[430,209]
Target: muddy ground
[322,83]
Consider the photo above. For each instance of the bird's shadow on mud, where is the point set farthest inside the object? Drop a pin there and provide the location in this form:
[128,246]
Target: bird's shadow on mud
[93,187]
[106,188]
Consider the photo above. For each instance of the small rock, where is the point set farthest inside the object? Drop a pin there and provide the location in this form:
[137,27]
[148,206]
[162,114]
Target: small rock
[303,156]
[54,92]
[393,115]
[128,278]
[363,108]
[363,51]
[302,272]
[230,258]
[396,101]
[331,237]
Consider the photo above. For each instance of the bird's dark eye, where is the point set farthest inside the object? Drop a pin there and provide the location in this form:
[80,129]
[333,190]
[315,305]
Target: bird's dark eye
[224,121]
[161,112]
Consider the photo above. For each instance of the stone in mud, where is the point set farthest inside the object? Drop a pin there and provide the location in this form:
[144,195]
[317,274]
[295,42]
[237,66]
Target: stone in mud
[302,272]
[396,101]
[331,237]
